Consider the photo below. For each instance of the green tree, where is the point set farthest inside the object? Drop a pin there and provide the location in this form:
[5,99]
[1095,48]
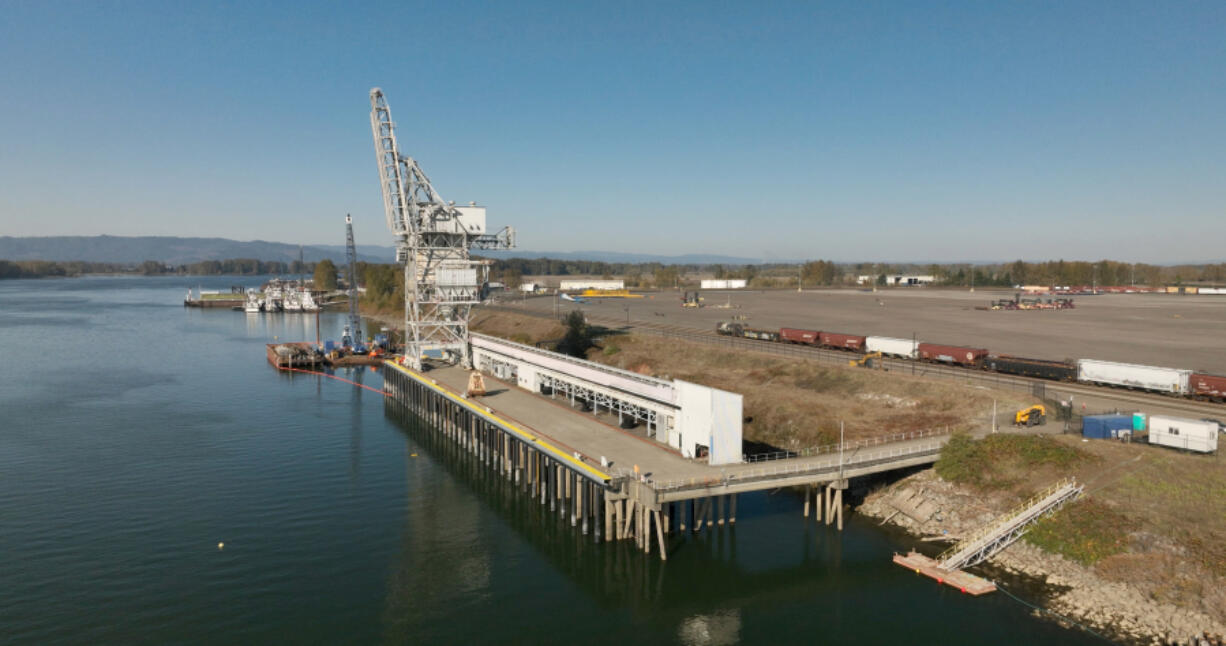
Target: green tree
[578,335]
[325,275]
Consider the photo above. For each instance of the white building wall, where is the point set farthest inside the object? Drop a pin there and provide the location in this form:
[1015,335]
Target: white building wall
[574,285]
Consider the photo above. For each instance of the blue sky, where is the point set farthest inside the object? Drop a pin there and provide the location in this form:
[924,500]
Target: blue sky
[858,130]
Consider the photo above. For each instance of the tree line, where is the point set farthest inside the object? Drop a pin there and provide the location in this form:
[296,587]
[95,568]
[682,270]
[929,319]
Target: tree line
[385,282]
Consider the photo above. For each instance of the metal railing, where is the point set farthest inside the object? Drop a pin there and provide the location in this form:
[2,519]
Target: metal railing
[857,444]
[979,544]
[787,469]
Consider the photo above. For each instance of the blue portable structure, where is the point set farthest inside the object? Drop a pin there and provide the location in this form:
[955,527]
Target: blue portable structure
[1102,427]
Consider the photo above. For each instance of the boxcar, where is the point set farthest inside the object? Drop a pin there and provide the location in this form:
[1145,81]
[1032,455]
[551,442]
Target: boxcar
[952,354]
[1041,368]
[841,341]
[904,348]
[792,335]
[1156,378]
[1207,386]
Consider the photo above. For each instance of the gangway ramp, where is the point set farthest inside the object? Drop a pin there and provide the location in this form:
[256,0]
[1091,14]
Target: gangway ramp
[983,543]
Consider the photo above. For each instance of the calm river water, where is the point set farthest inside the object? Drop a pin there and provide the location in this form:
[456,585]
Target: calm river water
[136,435]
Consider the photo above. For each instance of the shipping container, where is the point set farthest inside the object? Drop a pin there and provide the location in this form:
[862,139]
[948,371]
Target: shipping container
[1208,386]
[792,335]
[1156,378]
[952,354]
[841,341]
[1181,433]
[761,335]
[1103,427]
[1041,368]
[905,348]
[1138,422]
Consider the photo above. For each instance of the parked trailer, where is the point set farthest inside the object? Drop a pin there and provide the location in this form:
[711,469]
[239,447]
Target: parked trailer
[1041,368]
[792,335]
[952,354]
[1208,386]
[1181,433]
[841,341]
[904,348]
[1156,378]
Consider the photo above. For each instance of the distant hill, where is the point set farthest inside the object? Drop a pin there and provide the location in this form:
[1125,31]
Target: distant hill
[170,250]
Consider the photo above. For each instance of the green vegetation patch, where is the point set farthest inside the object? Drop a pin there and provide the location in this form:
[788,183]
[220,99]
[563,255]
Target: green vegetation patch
[1085,531]
[992,461]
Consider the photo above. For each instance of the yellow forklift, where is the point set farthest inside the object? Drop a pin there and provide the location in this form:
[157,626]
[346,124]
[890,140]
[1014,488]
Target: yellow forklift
[1033,416]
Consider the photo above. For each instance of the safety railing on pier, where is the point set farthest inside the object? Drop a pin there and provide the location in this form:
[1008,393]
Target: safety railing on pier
[877,440]
[739,475]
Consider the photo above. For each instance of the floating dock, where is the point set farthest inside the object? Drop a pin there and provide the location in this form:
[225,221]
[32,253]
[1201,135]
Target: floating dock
[964,581]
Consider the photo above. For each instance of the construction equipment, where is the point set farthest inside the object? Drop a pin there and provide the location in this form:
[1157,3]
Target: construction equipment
[352,337]
[1033,416]
[691,299]
[433,240]
[870,360]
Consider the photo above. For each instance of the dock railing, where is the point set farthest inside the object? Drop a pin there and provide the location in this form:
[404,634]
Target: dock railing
[824,449]
[735,475]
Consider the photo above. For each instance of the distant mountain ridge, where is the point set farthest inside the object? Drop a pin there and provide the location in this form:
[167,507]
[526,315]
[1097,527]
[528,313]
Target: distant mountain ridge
[171,250]
[175,250]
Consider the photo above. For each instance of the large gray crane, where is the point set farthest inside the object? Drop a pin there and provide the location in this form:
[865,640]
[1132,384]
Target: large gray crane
[353,329]
[433,240]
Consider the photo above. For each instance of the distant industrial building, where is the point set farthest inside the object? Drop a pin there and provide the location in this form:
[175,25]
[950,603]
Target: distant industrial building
[602,285]
[719,283]
[903,280]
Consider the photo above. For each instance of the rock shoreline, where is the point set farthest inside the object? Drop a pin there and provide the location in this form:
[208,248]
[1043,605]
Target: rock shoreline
[926,506]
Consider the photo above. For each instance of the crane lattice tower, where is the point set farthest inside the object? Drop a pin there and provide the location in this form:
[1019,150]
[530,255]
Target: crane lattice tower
[433,240]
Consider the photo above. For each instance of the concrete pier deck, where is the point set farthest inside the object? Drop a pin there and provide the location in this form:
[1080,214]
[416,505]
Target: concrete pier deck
[669,475]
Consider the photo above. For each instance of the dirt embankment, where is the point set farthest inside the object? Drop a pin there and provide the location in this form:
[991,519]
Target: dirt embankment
[1138,557]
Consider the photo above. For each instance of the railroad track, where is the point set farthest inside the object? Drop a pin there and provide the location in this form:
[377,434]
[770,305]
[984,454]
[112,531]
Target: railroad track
[1040,387]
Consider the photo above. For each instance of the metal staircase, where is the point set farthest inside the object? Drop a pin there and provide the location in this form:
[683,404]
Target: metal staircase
[1002,532]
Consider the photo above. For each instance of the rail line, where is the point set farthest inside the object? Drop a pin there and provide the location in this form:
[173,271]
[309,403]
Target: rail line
[1040,387]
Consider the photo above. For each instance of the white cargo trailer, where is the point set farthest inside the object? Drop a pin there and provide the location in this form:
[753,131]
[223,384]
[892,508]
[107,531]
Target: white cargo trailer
[1182,433]
[906,348]
[1156,378]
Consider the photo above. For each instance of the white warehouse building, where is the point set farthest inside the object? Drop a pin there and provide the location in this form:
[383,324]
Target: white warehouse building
[602,285]
[903,280]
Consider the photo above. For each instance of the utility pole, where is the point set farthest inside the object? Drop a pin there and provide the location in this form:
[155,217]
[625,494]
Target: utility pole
[800,271]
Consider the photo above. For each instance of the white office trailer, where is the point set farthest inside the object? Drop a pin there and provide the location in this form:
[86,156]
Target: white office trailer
[602,285]
[1157,378]
[1182,433]
[721,283]
[905,348]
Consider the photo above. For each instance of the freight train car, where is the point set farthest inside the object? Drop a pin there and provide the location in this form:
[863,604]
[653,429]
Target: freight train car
[841,341]
[1041,368]
[1156,378]
[804,337]
[1205,386]
[903,348]
[761,335]
[956,355]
